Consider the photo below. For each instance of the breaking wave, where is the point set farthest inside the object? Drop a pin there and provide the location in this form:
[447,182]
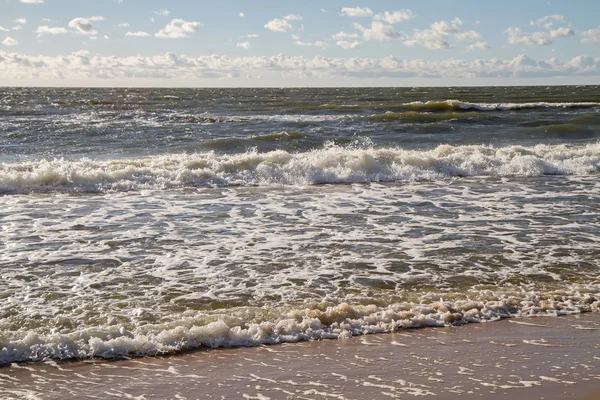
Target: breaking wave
[293,325]
[330,164]
[449,105]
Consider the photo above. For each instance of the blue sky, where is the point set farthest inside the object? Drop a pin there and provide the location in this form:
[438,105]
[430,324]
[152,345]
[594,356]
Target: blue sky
[310,43]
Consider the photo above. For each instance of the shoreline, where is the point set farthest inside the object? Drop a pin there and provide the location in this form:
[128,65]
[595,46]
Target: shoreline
[538,357]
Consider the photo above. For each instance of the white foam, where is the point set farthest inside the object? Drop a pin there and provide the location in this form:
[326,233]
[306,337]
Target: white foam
[331,164]
[461,105]
[341,321]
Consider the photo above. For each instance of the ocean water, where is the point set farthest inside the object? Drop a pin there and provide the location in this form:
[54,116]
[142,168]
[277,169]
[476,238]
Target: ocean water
[141,222]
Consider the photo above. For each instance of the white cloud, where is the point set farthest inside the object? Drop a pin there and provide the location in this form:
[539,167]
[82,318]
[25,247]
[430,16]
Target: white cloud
[395,16]
[241,15]
[10,41]
[547,21]
[96,18]
[591,36]
[377,31]
[439,33]
[323,10]
[561,32]
[162,12]
[478,46]
[32,1]
[17,28]
[244,45]
[46,30]
[137,34]
[318,43]
[250,36]
[278,25]
[357,12]
[123,25]
[82,66]
[516,36]
[3,29]
[178,29]
[343,35]
[469,35]
[21,20]
[83,25]
[46,20]
[292,17]
[346,45]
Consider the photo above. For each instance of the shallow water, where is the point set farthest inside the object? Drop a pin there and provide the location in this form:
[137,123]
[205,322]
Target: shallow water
[147,221]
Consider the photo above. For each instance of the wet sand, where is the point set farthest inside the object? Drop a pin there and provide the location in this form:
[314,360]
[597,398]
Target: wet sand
[533,358]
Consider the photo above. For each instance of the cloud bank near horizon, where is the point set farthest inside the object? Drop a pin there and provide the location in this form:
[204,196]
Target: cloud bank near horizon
[80,65]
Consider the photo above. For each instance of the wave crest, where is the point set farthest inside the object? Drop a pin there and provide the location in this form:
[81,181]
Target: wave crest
[330,164]
[338,321]
[457,105]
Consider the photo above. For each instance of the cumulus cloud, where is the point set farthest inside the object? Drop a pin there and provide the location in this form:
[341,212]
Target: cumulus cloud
[292,17]
[83,66]
[3,29]
[249,36]
[46,30]
[278,25]
[547,21]
[244,45]
[8,41]
[346,45]
[162,12]
[241,15]
[377,31]
[123,25]
[591,36]
[32,1]
[21,20]
[517,36]
[439,33]
[318,43]
[395,16]
[357,12]
[137,34]
[478,46]
[83,25]
[178,29]
[17,28]
[343,35]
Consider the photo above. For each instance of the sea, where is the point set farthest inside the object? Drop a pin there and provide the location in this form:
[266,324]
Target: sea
[145,222]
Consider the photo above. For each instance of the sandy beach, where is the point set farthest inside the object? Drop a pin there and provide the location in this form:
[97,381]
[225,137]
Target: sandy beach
[533,358]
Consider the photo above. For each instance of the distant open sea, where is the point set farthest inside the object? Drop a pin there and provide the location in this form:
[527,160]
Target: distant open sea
[141,222]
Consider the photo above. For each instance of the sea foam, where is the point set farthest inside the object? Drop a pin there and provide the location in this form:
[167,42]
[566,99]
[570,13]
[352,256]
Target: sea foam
[330,164]
[333,322]
[458,105]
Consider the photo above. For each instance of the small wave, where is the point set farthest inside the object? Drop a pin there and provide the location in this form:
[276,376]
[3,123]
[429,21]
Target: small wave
[457,105]
[292,325]
[416,116]
[330,164]
[280,136]
[205,119]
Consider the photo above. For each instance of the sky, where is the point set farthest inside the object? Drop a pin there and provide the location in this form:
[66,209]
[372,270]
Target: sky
[269,43]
